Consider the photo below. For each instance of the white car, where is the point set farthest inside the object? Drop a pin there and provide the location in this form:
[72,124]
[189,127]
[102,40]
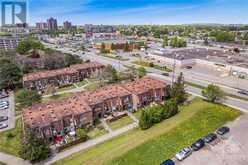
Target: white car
[183,153]
[3,125]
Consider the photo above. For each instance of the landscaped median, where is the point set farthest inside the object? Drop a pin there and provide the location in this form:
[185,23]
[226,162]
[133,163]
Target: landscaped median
[161,141]
[151,65]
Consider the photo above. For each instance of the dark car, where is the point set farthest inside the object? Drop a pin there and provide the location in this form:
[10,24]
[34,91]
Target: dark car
[243,92]
[165,74]
[210,137]
[223,130]
[188,67]
[168,162]
[3,118]
[198,145]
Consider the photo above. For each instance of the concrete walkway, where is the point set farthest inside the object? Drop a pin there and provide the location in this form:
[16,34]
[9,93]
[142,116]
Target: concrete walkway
[132,117]
[105,125]
[12,160]
[89,144]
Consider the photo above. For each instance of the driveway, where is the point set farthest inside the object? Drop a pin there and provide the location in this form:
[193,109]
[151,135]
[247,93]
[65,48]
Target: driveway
[231,149]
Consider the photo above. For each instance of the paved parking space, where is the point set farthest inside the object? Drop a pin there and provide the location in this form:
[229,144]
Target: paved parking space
[231,149]
[10,112]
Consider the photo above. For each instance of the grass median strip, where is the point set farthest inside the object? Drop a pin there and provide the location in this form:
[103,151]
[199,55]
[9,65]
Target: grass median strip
[153,145]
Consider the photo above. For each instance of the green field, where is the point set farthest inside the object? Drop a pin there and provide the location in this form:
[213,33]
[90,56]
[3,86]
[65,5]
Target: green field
[10,141]
[148,64]
[120,123]
[161,141]
[1,163]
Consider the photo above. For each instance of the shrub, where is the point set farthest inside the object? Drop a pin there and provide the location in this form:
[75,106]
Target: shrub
[81,133]
[158,113]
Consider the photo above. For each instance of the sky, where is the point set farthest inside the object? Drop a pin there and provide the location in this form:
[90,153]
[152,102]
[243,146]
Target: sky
[81,12]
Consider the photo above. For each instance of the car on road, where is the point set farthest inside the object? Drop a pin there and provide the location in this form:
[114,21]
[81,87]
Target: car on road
[210,137]
[3,107]
[184,153]
[188,67]
[223,130]
[3,125]
[243,92]
[3,118]
[198,145]
[168,162]
[165,74]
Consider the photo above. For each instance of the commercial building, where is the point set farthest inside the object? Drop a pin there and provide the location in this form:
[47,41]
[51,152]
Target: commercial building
[83,109]
[89,28]
[61,77]
[52,24]
[227,62]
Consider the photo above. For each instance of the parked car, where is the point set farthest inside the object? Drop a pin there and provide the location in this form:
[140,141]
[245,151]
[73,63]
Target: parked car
[210,137]
[198,145]
[4,103]
[3,107]
[165,74]
[188,67]
[184,153]
[3,125]
[243,92]
[3,95]
[3,118]
[223,130]
[168,162]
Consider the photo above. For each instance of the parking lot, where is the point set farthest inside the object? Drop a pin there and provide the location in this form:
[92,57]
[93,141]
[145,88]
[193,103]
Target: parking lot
[230,149]
[8,112]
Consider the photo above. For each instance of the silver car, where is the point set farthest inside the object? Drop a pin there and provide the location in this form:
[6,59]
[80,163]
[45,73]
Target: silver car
[3,125]
[183,153]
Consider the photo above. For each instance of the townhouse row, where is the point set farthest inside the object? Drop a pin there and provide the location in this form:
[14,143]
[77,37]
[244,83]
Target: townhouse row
[84,108]
[61,77]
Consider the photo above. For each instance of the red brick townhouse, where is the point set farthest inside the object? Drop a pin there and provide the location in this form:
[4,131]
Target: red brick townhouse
[61,77]
[84,108]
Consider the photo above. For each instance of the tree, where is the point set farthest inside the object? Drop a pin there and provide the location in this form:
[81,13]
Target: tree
[82,47]
[141,72]
[10,75]
[110,73]
[34,148]
[126,47]
[213,93]
[112,46]
[103,48]
[145,121]
[177,90]
[165,41]
[26,98]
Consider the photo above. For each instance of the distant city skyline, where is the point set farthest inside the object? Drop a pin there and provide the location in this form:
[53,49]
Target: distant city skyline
[117,12]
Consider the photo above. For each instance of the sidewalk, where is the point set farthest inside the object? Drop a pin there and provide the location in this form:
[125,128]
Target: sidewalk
[89,144]
[12,160]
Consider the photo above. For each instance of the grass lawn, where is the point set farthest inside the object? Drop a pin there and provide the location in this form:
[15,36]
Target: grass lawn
[93,86]
[114,57]
[120,123]
[148,64]
[82,83]
[137,114]
[96,132]
[56,97]
[161,141]
[10,141]
[66,88]
[226,94]
[1,163]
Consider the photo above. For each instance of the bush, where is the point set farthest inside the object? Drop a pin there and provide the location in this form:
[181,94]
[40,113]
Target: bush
[156,114]
[81,133]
